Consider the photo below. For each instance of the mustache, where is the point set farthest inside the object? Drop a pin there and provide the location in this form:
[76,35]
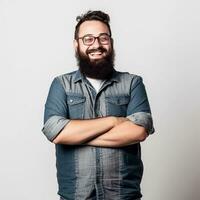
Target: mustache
[101,49]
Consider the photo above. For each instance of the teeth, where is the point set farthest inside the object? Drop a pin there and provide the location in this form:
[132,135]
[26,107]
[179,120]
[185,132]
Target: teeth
[96,53]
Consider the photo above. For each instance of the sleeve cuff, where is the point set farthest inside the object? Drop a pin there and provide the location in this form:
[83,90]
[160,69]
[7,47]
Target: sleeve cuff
[53,126]
[143,119]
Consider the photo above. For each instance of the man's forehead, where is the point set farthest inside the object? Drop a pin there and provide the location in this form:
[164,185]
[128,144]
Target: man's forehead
[93,27]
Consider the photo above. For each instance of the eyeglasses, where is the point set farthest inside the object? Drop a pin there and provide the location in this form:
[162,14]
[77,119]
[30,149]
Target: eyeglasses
[89,40]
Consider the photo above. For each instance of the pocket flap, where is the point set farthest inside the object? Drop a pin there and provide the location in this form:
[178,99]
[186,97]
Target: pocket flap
[118,100]
[73,100]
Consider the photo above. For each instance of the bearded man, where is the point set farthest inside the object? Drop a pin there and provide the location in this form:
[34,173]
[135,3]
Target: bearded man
[97,117]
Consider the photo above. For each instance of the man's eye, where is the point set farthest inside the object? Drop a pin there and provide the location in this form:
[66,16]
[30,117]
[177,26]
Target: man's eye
[104,38]
[88,39]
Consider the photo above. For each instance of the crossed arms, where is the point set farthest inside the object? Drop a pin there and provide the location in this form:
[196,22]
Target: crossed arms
[106,132]
[110,131]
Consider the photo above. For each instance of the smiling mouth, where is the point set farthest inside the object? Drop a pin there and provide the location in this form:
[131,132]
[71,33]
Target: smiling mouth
[98,53]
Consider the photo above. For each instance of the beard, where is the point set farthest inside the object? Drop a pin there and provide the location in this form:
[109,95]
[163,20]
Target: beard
[98,69]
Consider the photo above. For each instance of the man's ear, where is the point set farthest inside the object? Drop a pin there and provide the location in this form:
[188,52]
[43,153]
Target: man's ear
[75,45]
[112,42]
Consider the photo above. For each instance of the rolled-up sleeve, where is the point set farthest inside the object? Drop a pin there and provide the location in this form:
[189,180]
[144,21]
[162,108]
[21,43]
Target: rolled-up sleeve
[138,110]
[56,111]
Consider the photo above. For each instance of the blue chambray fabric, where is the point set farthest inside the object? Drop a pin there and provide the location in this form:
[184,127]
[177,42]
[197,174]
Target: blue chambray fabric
[86,172]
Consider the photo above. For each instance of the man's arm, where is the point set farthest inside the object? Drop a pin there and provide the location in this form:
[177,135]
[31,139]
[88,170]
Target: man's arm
[124,134]
[60,130]
[80,131]
[138,127]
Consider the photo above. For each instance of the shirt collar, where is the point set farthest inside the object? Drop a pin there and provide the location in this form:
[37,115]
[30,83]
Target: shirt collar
[78,76]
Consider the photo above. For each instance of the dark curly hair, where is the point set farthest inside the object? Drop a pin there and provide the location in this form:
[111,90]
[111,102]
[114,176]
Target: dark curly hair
[92,15]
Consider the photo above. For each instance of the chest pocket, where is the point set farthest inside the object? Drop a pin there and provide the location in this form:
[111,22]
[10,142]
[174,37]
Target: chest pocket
[76,106]
[117,105]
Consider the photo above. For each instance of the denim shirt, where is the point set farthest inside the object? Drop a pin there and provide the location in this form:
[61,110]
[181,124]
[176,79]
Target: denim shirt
[88,172]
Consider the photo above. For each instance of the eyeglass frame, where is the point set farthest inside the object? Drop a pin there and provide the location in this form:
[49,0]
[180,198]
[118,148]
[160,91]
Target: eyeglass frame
[95,37]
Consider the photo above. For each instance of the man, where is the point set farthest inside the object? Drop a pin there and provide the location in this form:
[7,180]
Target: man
[97,117]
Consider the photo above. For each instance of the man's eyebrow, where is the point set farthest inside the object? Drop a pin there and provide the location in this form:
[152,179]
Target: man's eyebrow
[90,34]
[86,35]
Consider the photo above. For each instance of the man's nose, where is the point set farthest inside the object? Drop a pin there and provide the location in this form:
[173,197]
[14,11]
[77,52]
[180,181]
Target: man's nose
[96,43]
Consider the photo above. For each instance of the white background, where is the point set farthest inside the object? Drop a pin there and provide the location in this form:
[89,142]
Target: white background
[156,39]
